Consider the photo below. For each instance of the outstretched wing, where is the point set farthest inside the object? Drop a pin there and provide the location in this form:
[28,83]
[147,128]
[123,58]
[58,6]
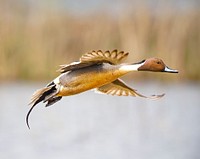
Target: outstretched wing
[114,57]
[119,88]
[74,66]
[93,58]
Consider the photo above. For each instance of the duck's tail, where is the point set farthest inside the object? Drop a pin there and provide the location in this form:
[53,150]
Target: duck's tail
[46,94]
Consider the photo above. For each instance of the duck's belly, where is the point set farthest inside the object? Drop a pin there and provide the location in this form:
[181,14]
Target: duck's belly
[87,78]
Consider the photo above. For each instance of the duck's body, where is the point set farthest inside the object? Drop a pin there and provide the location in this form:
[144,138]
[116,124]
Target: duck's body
[87,78]
[99,70]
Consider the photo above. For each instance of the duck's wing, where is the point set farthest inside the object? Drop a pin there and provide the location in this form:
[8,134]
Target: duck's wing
[114,57]
[119,88]
[75,66]
[93,58]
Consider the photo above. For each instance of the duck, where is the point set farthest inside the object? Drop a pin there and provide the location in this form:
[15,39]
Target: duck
[96,70]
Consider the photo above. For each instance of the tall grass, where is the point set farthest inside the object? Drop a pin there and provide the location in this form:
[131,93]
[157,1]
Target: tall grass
[33,45]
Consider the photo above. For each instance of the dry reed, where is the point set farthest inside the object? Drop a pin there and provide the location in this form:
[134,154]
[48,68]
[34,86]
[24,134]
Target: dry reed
[32,46]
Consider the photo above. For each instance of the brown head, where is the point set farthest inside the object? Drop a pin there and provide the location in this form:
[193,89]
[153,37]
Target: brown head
[155,65]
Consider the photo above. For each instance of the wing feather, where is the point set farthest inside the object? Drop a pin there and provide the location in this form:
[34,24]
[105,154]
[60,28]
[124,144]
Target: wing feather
[95,57]
[118,87]
[113,57]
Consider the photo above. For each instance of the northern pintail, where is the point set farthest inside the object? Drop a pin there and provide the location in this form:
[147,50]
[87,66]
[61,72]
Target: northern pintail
[96,70]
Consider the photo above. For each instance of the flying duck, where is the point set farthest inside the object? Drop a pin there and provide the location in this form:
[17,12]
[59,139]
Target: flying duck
[96,70]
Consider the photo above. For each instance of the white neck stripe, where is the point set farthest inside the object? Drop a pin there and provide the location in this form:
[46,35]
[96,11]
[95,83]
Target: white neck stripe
[131,67]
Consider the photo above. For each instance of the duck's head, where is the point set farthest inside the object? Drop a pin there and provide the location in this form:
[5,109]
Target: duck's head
[155,65]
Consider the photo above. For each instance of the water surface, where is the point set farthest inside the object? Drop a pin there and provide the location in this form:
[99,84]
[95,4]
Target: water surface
[95,126]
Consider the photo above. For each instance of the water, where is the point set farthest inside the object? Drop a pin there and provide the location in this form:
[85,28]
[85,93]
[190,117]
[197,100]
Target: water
[95,126]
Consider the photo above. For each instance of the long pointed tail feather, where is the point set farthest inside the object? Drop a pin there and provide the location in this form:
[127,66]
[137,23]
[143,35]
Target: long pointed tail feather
[43,94]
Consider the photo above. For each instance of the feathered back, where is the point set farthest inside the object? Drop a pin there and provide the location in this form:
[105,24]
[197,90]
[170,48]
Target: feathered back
[95,57]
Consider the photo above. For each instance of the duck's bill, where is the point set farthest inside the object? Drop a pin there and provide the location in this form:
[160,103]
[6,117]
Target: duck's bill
[169,70]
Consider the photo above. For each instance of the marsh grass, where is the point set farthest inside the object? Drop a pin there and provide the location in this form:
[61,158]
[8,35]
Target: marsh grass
[33,45]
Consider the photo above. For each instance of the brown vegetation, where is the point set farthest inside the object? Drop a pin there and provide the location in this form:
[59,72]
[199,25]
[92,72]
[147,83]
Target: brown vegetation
[32,46]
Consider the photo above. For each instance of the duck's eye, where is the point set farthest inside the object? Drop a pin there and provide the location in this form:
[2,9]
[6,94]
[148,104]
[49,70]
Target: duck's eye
[158,62]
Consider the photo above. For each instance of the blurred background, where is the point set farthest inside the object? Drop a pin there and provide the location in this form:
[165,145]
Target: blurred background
[37,36]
